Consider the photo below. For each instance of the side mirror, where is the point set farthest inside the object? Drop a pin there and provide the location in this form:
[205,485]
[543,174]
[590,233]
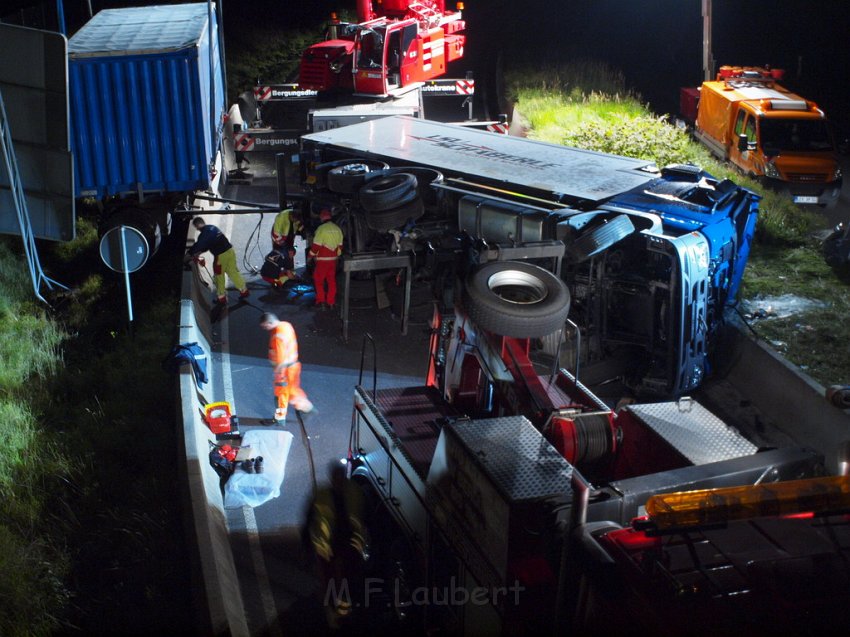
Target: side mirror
[743,143]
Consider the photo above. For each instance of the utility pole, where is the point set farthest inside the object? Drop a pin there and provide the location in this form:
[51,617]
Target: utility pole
[707,59]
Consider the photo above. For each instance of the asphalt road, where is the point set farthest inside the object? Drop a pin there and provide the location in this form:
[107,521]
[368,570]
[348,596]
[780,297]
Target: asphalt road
[279,586]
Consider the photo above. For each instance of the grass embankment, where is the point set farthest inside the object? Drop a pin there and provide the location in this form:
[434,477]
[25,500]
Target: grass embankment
[33,562]
[91,538]
[587,105]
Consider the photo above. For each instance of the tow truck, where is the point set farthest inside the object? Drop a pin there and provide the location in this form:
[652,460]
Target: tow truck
[480,478]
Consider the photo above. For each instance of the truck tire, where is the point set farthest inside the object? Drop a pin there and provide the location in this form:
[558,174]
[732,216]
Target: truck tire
[348,178]
[387,192]
[517,299]
[600,238]
[424,178]
[320,172]
[383,220]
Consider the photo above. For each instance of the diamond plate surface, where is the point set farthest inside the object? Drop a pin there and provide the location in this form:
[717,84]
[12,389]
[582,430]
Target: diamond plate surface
[516,458]
[695,432]
[415,413]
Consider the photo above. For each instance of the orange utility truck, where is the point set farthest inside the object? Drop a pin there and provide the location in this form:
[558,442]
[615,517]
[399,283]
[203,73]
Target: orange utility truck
[769,133]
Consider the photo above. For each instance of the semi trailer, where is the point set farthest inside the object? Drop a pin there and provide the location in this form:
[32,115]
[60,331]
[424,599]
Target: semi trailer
[147,105]
[652,257]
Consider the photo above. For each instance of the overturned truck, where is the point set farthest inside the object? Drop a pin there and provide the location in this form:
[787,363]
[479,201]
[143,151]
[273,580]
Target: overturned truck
[650,258]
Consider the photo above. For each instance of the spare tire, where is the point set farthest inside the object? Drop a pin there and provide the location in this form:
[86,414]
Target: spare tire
[387,192]
[348,178]
[517,299]
[321,171]
[600,238]
[384,220]
[424,178]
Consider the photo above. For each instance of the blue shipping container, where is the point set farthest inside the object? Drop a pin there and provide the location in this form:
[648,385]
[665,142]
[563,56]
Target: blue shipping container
[147,99]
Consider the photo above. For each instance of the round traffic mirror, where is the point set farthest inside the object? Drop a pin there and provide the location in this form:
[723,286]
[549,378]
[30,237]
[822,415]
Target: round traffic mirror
[124,249]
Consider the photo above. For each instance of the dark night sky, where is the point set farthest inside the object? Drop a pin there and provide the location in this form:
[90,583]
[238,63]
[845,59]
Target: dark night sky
[656,43]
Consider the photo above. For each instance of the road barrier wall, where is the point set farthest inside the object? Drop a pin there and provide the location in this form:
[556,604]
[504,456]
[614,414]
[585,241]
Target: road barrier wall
[222,596]
[793,401]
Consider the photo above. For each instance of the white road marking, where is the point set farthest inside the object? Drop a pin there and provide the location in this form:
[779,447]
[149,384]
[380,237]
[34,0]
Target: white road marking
[272,627]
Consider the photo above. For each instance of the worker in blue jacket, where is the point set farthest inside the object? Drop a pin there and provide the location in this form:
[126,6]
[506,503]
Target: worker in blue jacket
[212,239]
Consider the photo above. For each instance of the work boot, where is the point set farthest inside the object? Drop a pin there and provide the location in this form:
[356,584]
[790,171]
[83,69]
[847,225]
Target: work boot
[307,408]
[244,294]
[258,464]
[222,300]
[280,416]
[248,466]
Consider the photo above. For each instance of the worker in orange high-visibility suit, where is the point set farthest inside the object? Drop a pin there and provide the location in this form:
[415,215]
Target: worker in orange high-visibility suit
[283,355]
[325,249]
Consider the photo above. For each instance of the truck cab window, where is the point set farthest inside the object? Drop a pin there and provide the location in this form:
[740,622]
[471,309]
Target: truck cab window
[795,135]
[371,50]
[739,123]
[750,129]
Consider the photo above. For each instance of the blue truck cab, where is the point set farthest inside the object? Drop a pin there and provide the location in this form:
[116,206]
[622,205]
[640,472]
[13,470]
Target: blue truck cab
[706,230]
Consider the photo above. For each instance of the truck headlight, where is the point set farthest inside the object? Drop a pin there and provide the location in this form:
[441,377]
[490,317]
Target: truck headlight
[770,170]
[700,251]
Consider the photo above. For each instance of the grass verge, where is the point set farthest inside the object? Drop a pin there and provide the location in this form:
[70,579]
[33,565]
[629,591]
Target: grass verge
[586,105]
[90,525]
[33,561]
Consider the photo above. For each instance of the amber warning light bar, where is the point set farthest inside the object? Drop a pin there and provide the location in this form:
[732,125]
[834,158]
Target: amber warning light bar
[711,507]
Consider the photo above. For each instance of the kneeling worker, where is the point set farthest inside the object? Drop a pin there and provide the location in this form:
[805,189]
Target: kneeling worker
[286,225]
[283,355]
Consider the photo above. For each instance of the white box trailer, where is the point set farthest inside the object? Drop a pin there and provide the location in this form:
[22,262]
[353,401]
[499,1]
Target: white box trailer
[559,174]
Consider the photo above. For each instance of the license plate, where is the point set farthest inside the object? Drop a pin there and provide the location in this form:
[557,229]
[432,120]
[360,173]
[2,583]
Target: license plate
[805,199]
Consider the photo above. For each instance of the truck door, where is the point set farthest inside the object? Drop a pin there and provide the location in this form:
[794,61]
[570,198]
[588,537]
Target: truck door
[370,71]
[745,160]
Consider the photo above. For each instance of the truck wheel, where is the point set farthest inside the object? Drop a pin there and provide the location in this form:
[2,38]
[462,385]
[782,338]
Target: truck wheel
[320,172]
[424,178]
[518,299]
[348,178]
[383,220]
[387,192]
[600,238]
